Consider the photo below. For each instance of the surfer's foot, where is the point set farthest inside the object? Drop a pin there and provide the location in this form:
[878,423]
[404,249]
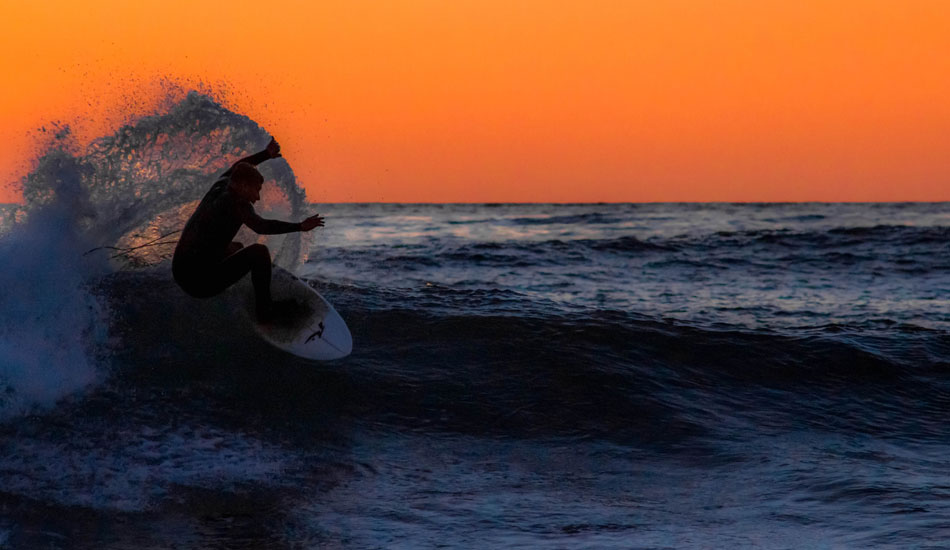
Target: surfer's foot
[277,310]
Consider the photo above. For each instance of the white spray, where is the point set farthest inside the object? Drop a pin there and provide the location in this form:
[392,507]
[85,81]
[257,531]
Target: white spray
[51,324]
[122,190]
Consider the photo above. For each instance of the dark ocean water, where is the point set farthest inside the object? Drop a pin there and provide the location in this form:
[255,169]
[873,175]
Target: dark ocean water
[523,376]
[569,376]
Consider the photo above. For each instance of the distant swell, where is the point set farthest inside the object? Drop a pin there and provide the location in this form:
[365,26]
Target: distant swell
[907,248]
[836,237]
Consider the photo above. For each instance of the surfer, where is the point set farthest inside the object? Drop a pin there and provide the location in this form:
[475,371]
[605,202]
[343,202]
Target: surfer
[207,261]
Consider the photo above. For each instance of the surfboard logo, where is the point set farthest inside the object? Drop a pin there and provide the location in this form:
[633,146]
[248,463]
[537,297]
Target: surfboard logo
[316,331]
[317,334]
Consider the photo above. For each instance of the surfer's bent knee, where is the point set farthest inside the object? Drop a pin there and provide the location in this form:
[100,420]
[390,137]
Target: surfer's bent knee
[259,251]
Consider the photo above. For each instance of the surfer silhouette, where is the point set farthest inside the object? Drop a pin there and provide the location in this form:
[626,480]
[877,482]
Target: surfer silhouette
[207,261]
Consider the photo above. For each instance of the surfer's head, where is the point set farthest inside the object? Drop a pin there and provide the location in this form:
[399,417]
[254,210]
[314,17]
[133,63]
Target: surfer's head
[246,181]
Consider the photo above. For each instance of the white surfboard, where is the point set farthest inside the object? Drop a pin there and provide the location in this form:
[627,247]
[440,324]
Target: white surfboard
[316,331]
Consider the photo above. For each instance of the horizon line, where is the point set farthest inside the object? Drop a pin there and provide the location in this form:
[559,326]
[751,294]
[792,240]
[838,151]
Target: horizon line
[595,203]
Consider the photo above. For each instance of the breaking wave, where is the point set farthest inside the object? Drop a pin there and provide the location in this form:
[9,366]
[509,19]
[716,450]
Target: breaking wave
[116,205]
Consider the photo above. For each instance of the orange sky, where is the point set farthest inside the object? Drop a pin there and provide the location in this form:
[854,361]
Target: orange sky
[520,100]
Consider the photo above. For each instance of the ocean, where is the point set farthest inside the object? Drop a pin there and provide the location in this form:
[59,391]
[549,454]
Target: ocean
[523,375]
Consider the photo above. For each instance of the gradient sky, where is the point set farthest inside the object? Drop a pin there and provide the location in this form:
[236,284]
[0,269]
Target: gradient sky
[519,100]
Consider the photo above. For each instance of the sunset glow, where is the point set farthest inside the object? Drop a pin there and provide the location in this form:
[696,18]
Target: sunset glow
[524,101]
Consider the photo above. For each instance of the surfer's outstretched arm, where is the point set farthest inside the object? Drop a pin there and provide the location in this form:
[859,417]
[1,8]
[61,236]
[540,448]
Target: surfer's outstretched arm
[270,152]
[264,226]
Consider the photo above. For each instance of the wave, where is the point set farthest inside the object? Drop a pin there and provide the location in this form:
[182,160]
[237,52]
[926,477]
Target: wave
[833,237]
[51,325]
[592,218]
[626,244]
[130,191]
[901,233]
[145,180]
[896,249]
[512,372]
[587,218]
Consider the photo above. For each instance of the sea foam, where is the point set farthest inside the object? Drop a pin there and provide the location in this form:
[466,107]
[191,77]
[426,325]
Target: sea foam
[52,323]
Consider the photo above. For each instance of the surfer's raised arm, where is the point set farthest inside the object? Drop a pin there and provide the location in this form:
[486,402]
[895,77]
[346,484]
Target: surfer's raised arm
[272,151]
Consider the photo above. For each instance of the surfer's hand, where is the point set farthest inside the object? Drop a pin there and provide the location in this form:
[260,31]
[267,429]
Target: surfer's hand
[273,148]
[311,222]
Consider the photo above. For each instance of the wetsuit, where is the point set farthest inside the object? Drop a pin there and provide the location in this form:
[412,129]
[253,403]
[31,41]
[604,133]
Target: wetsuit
[205,261]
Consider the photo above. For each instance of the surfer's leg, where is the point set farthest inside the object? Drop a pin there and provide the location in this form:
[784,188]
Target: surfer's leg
[233,247]
[215,279]
[260,276]
[254,258]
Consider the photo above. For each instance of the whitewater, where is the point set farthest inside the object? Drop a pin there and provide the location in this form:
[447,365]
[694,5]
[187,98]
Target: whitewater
[523,375]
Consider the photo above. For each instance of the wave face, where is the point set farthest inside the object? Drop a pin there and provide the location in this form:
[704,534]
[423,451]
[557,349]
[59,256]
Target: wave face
[686,375]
